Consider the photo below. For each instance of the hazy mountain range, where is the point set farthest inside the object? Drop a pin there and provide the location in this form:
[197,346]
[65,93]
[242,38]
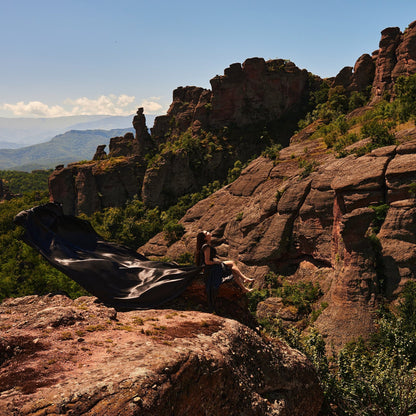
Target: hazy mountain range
[72,146]
[20,132]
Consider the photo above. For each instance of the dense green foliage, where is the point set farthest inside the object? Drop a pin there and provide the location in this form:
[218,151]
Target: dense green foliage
[134,224]
[377,125]
[299,295]
[368,378]
[22,270]
[24,182]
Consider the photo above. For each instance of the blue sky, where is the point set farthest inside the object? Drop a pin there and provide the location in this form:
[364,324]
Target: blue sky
[109,57]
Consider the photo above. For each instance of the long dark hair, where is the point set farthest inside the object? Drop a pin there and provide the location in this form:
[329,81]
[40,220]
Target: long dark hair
[200,241]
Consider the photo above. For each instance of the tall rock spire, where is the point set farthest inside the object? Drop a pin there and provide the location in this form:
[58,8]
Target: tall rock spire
[145,143]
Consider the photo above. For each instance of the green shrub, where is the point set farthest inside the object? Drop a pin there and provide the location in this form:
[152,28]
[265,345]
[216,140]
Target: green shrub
[381,213]
[272,152]
[308,167]
[255,297]
[405,88]
[378,132]
[173,231]
[235,171]
[369,378]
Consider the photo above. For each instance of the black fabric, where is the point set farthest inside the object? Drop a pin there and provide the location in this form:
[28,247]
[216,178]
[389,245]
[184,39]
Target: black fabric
[115,274]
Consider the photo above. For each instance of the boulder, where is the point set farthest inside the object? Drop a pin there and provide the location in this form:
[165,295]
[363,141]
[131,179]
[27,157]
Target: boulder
[363,75]
[150,362]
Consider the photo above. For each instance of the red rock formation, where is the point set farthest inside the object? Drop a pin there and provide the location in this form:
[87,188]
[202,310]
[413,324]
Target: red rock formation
[90,187]
[396,57]
[256,93]
[143,141]
[386,61]
[406,53]
[105,181]
[363,75]
[344,77]
[79,357]
[99,153]
[316,228]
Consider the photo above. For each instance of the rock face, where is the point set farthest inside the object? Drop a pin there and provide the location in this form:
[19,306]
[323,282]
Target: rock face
[264,94]
[256,91]
[92,186]
[396,57]
[59,356]
[317,227]
[258,94]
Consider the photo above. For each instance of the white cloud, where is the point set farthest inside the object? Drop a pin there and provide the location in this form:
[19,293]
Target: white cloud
[35,108]
[112,104]
[151,107]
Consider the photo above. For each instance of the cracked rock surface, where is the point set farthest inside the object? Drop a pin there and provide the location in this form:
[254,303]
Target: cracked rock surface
[78,357]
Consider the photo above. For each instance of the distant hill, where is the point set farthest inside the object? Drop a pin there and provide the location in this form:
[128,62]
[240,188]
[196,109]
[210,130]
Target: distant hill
[72,146]
[21,132]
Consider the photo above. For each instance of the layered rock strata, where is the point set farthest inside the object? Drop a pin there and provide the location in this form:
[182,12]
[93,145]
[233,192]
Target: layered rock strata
[317,226]
[59,356]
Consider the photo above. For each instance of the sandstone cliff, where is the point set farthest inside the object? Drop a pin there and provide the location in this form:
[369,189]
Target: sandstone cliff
[60,356]
[246,106]
[308,217]
[395,57]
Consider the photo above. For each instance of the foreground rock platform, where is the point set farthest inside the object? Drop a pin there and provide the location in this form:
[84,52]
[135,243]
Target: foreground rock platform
[79,357]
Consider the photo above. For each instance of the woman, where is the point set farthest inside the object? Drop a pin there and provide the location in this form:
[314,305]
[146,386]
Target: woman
[206,256]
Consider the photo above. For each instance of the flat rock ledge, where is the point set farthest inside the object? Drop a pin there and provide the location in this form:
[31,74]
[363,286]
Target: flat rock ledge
[78,357]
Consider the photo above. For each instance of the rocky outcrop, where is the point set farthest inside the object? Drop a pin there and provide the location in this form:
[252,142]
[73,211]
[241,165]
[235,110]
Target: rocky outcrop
[92,186]
[396,57]
[108,180]
[309,217]
[257,91]
[363,75]
[59,356]
[249,93]
[142,140]
[189,105]
[255,99]
[99,153]
[386,61]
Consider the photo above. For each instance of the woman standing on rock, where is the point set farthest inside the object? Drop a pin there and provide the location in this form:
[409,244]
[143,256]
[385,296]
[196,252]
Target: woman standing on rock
[215,270]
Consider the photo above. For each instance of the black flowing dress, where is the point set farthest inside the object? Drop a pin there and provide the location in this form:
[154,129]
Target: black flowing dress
[116,275]
[215,274]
